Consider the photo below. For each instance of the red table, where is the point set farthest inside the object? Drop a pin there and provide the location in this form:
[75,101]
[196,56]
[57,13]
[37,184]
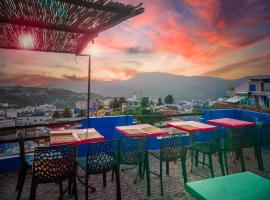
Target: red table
[231,123]
[141,130]
[75,136]
[191,126]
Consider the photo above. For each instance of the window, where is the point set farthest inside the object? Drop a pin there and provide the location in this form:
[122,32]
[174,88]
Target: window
[252,87]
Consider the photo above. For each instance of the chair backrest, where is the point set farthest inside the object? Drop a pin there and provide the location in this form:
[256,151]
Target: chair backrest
[101,157]
[131,151]
[241,137]
[264,134]
[172,148]
[54,163]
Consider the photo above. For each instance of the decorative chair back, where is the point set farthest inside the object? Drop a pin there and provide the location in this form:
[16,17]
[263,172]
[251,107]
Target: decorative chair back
[241,137]
[101,157]
[131,151]
[172,148]
[54,163]
[264,134]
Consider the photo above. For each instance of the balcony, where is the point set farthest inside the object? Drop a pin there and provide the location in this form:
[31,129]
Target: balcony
[173,184]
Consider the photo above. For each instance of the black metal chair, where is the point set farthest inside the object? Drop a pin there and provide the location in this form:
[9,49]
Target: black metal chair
[54,164]
[101,158]
[171,149]
[133,151]
[263,140]
[26,161]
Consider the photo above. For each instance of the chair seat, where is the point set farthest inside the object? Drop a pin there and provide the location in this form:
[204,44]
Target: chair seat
[98,164]
[204,147]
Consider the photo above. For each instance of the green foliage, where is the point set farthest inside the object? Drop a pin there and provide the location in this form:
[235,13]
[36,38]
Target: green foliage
[145,102]
[56,115]
[67,112]
[160,103]
[122,100]
[143,116]
[114,103]
[168,99]
[82,113]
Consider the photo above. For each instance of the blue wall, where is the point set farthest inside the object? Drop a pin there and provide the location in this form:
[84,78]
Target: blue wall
[105,125]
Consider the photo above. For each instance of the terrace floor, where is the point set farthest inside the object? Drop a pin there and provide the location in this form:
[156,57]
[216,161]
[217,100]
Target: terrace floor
[173,184]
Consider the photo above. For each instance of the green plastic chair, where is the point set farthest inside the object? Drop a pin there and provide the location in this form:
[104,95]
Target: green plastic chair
[171,149]
[238,139]
[101,158]
[133,151]
[263,140]
[209,149]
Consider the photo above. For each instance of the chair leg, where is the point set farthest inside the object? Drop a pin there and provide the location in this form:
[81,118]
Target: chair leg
[147,175]
[61,190]
[211,165]
[240,151]
[167,168]
[258,153]
[226,162]
[21,182]
[19,179]
[141,170]
[220,160]
[184,170]
[33,189]
[118,186]
[113,172]
[104,180]
[75,191]
[86,186]
[196,158]
[160,178]
[203,160]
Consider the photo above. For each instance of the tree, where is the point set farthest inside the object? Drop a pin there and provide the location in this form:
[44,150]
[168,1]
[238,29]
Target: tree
[66,112]
[114,103]
[56,115]
[160,103]
[82,113]
[168,99]
[122,100]
[145,102]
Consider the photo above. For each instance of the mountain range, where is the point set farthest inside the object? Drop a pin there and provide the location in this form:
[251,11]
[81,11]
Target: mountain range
[157,84]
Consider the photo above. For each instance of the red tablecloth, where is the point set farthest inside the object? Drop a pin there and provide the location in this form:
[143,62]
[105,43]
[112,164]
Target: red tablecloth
[75,136]
[141,130]
[191,126]
[231,123]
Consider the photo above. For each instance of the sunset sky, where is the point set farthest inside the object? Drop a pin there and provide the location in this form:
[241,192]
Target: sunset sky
[220,38]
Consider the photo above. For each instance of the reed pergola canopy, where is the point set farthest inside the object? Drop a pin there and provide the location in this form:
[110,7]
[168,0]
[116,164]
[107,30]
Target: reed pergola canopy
[62,26]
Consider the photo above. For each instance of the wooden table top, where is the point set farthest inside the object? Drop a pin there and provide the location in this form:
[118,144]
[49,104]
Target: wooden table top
[75,136]
[141,130]
[191,126]
[231,123]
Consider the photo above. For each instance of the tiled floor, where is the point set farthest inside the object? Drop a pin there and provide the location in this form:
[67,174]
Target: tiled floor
[173,184]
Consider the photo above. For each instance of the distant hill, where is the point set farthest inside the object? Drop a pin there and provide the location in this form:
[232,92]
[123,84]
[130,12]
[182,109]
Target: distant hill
[159,84]
[23,96]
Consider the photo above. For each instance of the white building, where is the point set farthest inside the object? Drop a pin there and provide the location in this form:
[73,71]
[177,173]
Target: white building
[12,113]
[30,120]
[107,102]
[82,105]
[7,123]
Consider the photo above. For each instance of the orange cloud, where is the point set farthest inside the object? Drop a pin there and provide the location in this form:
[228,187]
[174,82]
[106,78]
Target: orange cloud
[113,73]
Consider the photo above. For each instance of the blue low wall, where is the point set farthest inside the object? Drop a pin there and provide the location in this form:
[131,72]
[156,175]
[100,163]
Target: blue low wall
[105,125]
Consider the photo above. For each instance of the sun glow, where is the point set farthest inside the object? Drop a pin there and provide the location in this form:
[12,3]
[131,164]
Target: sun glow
[26,41]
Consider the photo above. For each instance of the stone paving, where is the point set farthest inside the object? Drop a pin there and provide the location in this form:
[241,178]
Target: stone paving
[173,184]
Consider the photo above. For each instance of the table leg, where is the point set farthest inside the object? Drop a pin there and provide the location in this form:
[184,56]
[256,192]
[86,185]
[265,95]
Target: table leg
[191,151]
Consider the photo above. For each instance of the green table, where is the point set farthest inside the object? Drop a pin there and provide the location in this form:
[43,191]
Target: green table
[241,186]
